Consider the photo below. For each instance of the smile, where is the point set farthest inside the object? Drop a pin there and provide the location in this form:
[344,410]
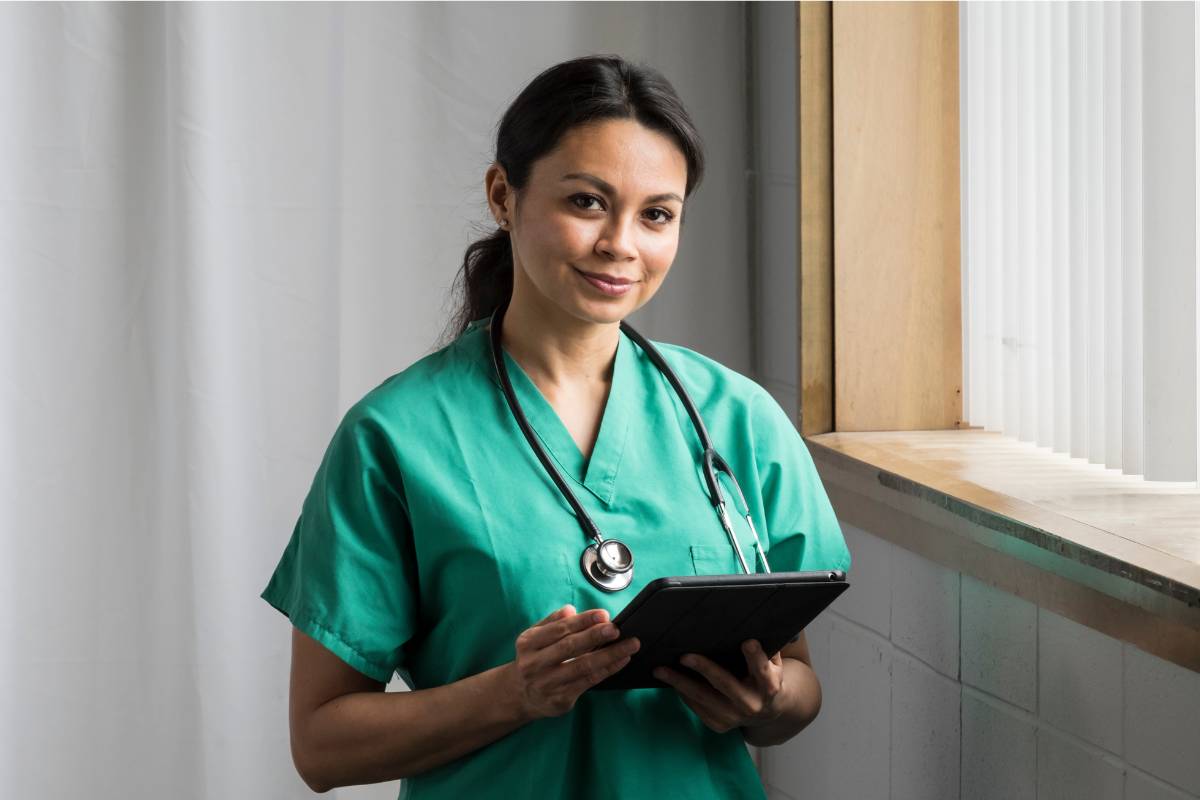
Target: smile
[609,287]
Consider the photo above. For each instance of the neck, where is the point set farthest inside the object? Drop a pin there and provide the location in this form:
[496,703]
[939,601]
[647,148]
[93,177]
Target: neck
[554,347]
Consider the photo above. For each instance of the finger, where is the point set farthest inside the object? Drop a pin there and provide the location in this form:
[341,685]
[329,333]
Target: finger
[688,686]
[715,723]
[710,706]
[581,685]
[541,636]
[756,660]
[767,672]
[555,628]
[743,697]
[592,668]
[576,644]
[566,610]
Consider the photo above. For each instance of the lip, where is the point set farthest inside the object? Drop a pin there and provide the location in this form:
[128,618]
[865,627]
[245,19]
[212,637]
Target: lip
[609,285]
[614,280]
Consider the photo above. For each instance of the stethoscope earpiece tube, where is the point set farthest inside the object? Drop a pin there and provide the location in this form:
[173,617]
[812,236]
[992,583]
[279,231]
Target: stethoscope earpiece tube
[712,463]
[608,563]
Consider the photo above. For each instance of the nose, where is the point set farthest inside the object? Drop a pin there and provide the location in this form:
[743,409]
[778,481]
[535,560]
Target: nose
[616,239]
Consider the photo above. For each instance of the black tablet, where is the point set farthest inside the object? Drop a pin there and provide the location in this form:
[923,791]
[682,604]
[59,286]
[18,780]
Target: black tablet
[713,614]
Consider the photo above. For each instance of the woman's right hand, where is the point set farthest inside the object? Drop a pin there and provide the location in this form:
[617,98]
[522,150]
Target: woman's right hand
[559,658]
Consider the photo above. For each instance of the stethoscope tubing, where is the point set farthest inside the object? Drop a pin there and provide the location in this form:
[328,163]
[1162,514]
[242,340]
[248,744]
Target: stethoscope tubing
[713,462]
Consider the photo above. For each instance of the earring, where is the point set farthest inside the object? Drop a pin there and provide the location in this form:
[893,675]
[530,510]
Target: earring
[503,223]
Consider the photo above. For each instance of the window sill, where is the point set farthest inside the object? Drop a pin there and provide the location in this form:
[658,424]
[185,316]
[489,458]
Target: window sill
[1107,550]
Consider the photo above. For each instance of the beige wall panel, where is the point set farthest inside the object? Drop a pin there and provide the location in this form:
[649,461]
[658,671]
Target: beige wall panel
[815,128]
[897,307]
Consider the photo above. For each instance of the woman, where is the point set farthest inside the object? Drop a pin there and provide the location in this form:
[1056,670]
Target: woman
[433,542]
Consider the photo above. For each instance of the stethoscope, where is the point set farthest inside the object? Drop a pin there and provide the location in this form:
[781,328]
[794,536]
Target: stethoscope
[608,563]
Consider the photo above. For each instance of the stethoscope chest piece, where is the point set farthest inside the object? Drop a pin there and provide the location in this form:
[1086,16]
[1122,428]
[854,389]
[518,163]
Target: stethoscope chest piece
[608,565]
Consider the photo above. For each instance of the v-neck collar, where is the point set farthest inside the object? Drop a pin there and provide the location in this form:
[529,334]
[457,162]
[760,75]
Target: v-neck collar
[597,474]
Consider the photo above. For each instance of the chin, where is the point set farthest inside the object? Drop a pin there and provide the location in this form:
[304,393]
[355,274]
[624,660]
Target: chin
[602,317]
[600,313]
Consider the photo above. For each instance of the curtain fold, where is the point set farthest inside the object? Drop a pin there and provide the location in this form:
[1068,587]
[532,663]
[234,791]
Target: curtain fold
[220,225]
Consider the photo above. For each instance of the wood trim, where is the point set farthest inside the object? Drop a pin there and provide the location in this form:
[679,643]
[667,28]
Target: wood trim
[896,216]
[1123,588]
[815,164]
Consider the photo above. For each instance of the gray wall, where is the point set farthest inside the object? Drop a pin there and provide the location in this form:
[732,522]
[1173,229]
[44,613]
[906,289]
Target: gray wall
[775,208]
[484,54]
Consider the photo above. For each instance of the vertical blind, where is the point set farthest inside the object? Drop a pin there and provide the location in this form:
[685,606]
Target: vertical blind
[1079,144]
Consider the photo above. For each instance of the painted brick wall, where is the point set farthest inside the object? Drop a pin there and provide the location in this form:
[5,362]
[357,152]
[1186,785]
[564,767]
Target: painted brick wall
[939,686]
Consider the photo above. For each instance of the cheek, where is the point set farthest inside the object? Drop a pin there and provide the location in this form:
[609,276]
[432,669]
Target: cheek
[560,236]
[578,240]
[659,256]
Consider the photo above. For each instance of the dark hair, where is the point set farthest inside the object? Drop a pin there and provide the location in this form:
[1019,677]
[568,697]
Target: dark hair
[573,93]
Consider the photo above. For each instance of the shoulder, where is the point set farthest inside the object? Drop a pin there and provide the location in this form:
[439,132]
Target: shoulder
[409,398]
[726,395]
[705,377]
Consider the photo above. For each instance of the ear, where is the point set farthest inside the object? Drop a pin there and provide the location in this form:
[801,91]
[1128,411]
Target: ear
[501,196]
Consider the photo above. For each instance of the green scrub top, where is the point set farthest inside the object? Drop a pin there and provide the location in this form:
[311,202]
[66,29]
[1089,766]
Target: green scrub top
[432,536]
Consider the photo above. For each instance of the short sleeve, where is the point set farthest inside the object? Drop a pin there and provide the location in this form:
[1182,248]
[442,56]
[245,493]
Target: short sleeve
[802,529]
[347,576]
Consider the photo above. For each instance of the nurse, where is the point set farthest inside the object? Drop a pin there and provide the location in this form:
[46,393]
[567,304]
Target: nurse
[433,544]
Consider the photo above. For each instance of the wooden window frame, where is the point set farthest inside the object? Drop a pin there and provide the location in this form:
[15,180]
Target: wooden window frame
[880,355]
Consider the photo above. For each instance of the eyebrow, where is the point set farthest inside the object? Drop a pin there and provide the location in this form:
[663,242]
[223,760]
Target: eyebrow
[605,186]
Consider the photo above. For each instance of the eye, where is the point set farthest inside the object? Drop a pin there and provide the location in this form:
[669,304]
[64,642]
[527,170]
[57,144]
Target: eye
[666,217]
[586,198]
[581,202]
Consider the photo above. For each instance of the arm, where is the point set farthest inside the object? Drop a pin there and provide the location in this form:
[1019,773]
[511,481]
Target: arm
[799,698]
[346,730]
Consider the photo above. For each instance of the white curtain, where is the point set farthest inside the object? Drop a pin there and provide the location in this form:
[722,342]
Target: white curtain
[219,226]
[1079,229]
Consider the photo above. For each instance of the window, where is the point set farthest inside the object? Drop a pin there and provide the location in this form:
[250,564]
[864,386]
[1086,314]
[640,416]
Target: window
[1078,149]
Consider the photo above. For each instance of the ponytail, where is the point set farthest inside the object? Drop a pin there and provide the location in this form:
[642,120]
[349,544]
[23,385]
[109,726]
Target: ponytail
[573,93]
[485,280]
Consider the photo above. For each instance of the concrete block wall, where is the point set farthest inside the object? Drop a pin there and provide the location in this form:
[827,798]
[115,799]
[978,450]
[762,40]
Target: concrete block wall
[937,685]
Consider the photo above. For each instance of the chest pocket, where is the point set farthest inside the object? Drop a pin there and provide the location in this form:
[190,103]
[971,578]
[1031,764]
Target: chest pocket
[716,559]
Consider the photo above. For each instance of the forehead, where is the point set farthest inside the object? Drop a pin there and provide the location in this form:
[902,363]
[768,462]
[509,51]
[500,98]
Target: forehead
[621,152]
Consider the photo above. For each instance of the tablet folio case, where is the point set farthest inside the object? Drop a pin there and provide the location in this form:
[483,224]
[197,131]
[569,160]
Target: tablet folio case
[712,615]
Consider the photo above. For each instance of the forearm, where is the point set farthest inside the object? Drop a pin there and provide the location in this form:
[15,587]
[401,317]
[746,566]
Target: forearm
[801,703]
[371,737]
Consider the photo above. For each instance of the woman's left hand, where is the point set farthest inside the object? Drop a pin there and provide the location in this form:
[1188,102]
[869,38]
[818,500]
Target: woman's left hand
[725,702]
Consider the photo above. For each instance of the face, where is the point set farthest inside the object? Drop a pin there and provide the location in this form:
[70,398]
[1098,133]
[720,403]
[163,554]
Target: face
[596,227]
